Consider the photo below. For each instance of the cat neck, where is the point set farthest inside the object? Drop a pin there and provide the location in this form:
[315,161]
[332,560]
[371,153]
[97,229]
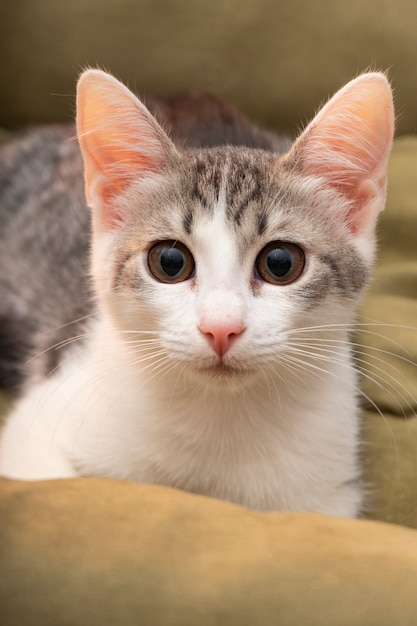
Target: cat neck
[247,443]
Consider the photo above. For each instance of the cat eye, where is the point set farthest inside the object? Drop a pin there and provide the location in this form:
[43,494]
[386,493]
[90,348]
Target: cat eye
[280,263]
[170,262]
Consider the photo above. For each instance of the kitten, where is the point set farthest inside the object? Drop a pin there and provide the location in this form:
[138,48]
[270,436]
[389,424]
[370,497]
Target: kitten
[211,352]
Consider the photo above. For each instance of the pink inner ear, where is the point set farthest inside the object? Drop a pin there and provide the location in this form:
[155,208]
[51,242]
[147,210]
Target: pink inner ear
[112,164]
[345,151]
[349,141]
[119,139]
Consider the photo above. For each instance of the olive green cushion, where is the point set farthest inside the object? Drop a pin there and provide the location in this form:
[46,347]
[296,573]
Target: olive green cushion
[390,309]
[100,552]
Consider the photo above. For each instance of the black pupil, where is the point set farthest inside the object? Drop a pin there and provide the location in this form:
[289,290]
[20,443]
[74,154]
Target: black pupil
[279,262]
[172,261]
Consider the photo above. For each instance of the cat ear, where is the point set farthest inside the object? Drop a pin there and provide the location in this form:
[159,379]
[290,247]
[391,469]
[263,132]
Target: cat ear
[348,145]
[120,141]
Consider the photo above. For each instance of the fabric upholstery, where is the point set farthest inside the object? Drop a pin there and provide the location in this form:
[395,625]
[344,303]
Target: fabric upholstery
[104,552]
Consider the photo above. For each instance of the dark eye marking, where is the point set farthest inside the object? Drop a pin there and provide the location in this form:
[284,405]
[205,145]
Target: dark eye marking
[188,221]
[349,273]
[262,222]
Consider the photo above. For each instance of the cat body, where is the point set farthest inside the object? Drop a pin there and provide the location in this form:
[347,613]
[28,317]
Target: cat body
[211,351]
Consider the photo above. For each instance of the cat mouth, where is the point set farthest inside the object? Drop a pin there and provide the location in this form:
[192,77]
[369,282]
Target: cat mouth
[225,371]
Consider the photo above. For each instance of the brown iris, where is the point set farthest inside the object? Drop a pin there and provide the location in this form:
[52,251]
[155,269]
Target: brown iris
[280,262]
[170,262]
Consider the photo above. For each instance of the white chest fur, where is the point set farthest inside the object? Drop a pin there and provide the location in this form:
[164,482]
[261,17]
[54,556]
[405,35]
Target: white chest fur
[291,445]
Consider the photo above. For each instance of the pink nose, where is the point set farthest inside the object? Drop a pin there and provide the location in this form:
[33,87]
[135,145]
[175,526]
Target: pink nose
[221,336]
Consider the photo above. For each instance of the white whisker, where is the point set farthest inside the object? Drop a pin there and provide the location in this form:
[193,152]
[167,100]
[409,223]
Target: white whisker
[74,321]
[368,372]
[58,346]
[363,361]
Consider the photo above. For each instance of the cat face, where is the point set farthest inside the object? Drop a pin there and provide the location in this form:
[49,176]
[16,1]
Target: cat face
[212,261]
[219,263]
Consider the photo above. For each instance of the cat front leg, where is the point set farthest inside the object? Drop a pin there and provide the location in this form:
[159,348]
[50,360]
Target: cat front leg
[28,451]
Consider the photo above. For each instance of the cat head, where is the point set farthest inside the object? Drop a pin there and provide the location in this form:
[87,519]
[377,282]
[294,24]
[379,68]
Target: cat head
[212,259]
